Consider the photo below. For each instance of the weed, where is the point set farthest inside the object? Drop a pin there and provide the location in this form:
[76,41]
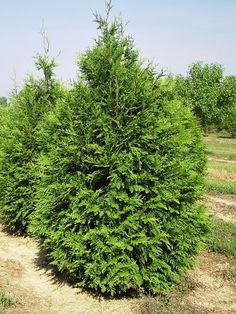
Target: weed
[172,302]
[6,301]
[230,274]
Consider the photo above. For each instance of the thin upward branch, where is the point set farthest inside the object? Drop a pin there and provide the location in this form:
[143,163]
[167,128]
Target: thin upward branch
[15,84]
[46,45]
[108,8]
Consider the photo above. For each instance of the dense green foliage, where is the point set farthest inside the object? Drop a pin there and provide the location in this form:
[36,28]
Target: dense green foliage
[211,96]
[19,148]
[121,169]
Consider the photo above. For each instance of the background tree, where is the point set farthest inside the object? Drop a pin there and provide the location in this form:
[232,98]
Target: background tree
[201,90]
[210,95]
[121,175]
[227,105]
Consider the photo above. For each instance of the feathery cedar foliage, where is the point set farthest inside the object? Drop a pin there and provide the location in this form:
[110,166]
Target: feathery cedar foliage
[120,175]
[19,148]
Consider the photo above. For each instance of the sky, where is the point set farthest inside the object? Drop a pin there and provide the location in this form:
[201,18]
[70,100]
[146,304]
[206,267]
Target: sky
[171,33]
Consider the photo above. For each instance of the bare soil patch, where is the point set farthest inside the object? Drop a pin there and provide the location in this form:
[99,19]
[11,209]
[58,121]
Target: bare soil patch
[223,207]
[220,158]
[218,140]
[205,290]
[221,175]
[214,293]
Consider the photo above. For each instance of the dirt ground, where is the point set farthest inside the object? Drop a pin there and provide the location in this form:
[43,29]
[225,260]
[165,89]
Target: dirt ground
[215,139]
[37,290]
[215,158]
[214,292]
[223,207]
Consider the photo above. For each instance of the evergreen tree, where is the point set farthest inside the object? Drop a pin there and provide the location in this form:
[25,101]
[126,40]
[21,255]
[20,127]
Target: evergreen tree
[19,148]
[121,175]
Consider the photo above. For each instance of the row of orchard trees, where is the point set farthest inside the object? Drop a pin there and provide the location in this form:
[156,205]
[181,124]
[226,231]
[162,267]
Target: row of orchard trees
[210,95]
[107,174]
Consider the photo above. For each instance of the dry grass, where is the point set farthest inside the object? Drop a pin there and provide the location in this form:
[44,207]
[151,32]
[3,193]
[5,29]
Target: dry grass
[6,301]
[221,174]
[207,289]
[230,273]
[215,139]
[221,147]
[223,207]
[221,171]
[224,237]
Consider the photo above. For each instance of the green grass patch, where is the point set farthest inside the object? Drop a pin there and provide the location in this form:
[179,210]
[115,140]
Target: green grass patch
[220,186]
[6,301]
[223,238]
[222,150]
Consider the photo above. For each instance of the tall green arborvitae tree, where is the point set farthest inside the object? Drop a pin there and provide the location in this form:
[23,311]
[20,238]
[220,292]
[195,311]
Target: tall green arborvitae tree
[4,113]
[19,148]
[120,179]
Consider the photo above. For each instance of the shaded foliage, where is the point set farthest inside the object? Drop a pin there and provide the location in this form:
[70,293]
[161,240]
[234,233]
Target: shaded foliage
[3,101]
